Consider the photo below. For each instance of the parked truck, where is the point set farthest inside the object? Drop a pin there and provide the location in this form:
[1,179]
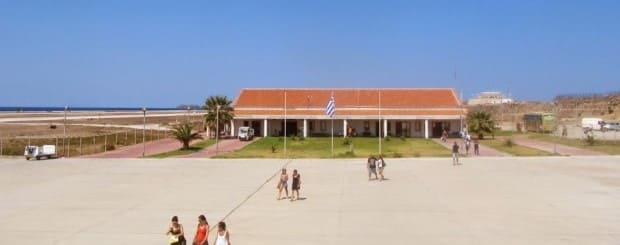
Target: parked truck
[592,123]
[38,152]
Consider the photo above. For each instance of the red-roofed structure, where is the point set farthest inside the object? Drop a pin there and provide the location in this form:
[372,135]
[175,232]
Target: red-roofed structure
[409,112]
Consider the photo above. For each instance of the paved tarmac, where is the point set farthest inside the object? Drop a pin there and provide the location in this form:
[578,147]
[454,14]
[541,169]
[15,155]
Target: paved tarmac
[491,200]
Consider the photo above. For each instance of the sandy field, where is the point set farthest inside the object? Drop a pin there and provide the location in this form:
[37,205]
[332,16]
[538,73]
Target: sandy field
[550,200]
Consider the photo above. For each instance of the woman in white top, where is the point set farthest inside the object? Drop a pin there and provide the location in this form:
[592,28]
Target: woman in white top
[223,236]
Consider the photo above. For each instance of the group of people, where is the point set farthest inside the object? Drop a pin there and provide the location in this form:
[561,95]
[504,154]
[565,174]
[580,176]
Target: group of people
[283,185]
[373,164]
[176,233]
[468,140]
[455,150]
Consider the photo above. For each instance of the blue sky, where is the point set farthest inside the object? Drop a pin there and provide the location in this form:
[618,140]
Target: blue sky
[161,54]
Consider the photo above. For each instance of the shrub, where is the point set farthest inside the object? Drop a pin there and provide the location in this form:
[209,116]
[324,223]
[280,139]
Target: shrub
[273,148]
[302,138]
[387,138]
[346,141]
[109,147]
[397,155]
[590,140]
[402,137]
[416,154]
[509,143]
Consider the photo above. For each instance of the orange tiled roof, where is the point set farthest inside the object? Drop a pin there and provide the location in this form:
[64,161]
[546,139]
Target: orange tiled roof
[406,101]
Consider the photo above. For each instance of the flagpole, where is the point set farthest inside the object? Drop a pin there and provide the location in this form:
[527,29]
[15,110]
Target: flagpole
[380,126]
[284,122]
[332,119]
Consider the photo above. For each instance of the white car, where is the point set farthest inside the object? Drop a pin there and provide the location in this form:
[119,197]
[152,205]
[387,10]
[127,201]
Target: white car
[611,126]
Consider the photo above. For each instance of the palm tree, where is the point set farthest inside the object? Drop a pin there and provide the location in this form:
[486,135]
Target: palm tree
[184,134]
[225,111]
[480,122]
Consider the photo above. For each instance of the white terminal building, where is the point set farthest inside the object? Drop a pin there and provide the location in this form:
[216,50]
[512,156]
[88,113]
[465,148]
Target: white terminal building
[490,98]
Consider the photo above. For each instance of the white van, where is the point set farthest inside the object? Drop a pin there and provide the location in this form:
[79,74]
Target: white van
[245,133]
[591,123]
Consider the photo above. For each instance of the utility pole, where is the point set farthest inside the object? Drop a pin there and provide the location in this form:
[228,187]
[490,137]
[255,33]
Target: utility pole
[217,128]
[144,131]
[64,133]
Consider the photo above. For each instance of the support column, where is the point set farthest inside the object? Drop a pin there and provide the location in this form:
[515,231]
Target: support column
[305,128]
[232,128]
[385,127]
[265,128]
[344,128]
[426,128]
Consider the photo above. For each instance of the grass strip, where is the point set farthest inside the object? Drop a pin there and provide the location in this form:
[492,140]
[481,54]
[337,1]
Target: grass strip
[180,152]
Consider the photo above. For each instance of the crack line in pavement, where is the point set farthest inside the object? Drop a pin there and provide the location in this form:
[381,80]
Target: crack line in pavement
[256,191]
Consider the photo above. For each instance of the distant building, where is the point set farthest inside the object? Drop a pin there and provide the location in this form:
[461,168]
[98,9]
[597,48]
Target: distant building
[406,112]
[490,98]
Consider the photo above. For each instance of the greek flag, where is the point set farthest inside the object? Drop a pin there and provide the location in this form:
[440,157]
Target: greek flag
[331,107]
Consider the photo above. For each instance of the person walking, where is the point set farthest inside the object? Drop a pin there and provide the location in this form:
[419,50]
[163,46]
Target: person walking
[176,234]
[467,145]
[371,165]
[223,236]
[283,184]
[295,186]
[381,165]
[202,231]
[444,136]
[455,154]
[476,147]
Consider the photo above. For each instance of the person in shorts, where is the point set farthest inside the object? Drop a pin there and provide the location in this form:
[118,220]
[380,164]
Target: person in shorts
[295,186]
[371,165]
[283,184]
[476,147]
[380,166]
[455,154]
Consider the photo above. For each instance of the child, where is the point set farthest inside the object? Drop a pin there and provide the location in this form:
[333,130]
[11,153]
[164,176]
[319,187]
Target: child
[296,185]
[223,236]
